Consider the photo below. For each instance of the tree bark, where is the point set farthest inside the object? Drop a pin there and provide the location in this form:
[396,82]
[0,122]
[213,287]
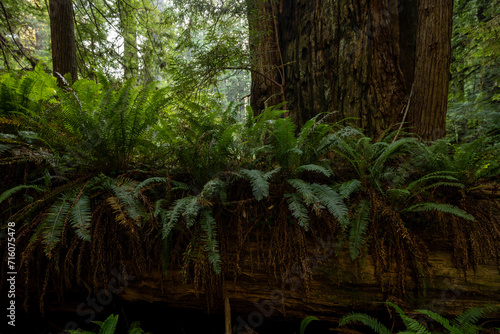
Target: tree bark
[62,35]
[427,114]
[128,28]
[358,59]
[267,87]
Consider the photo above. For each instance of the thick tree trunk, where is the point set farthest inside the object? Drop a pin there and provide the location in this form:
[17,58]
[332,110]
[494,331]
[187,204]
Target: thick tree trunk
[267,88]
[62,34]
[357,58]
[427,113]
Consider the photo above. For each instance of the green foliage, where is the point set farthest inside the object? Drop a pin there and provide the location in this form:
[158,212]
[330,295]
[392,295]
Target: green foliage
[463,324]
[305,322]
[470,163]
[109,325]
[371,322]
[445,208]
[359,225]
[474,104]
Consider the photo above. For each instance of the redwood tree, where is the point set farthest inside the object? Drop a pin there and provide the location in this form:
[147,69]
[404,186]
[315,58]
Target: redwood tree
[62,35]
[382,62]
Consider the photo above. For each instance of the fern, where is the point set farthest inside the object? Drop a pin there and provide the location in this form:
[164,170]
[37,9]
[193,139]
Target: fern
[53,225]
[149,181]
[314,168]
[442,321]
[358,228]
[125,192]
[332,201]
[466,321]
[347,188]
[6,194]
[305,190]
[298,210]
[191,211]
[260,186]
[81,217]
[212,188]
[305,322]
[410,323]
[371,322]
[208,225]
[178,208]
[445,208]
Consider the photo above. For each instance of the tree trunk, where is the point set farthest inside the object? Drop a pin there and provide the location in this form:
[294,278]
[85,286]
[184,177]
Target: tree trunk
[357,59]
[427,113]
[62,35]
[267,87]
[128,28]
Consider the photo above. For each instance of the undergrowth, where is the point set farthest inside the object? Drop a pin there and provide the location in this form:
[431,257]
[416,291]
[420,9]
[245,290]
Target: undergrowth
[104,173]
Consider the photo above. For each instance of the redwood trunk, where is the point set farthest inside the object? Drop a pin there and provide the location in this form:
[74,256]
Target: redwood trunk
[357,59]
[62,34]
[427,113]
[267,88]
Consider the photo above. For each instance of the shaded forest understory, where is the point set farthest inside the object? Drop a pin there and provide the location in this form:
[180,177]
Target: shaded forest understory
[250,166]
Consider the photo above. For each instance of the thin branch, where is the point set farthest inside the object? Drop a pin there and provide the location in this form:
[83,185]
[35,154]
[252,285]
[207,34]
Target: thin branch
[32,62]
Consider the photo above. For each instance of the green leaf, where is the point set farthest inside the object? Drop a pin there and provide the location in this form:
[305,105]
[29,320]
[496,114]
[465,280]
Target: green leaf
[81,217]
[298,210]
[445,208]
[314,168]
[109,325]
[6,194]
[260,186]
[211,246]
[305,322]
[365,319]
[358,228]
[333,202]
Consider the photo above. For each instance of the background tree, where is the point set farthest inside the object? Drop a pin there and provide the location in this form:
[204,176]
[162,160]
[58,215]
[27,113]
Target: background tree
[62,34]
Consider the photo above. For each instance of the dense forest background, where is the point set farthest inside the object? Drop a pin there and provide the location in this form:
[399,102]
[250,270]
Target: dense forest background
[214,146]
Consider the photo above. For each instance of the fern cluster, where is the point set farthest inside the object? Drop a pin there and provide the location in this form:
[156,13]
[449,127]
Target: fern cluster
[465,323]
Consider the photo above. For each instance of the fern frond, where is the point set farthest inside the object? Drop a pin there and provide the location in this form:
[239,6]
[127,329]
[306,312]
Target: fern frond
[347,188]
[54,223]
[305,322]
[81,217]
[6,194]
[211,246]
[125,192]
[445,208]
[178,208]
[149,181]
[410,323]
[109,325]
[314,168]
[305,190]
[332,201]
[466,320]
[213,188]
[365,319]
[358,228]
[298,210]
[400,146]
[260,186]
[442,321]
[191,211]
[120,214]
